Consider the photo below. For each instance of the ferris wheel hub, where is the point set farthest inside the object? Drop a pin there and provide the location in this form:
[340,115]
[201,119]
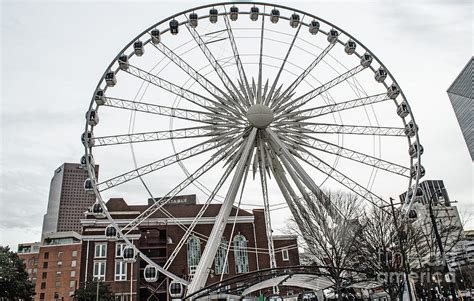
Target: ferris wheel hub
[259,115]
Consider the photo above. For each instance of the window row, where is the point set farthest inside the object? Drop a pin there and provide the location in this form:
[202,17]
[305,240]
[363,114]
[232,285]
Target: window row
[100,268]
[221,261]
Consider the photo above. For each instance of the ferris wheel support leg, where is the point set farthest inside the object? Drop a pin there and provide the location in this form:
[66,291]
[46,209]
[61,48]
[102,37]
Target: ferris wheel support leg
[305,178]
[202,270]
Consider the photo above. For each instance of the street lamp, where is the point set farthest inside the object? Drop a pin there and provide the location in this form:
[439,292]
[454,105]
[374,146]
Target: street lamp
[438,239]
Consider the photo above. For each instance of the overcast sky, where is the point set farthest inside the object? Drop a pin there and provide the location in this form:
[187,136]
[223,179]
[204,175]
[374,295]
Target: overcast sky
[53,54]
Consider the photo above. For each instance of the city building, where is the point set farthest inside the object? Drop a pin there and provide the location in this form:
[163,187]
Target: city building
[67,200]
[461,95]
[426,190]
[158,236]
[53,265]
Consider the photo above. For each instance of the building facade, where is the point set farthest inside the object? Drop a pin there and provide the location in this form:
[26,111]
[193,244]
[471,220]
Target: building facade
[53,265]
[67,200]
[158,237]
[461,95]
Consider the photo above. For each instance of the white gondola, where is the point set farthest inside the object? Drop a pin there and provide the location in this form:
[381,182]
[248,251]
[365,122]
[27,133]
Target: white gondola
[138,48]
[155,36]
[234,13]
[84,161]
[332,36]
[176,290]
[314,27]
[87,139]
[366,60]
[275,298]
[393,91]
[254,13]
[129,254]
[150,273]
[294,20]
[410,129]
[92,117]
[275,15]
[412,214]
[380,75]
[174,26]
[111,233]
[99,97]
[123,62]
[413,149]
[403,110]
[350,47]
[97,210]
[110,79]
[414,172]
[193,20]
[213,15]
[89,186]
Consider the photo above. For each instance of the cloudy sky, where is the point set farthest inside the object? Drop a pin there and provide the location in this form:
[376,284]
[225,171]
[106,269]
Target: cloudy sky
[53,54]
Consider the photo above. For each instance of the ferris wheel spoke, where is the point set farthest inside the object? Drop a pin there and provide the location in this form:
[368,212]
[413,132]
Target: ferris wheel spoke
[344,180]
[194,132]
[223,76]
[328,128]
[210,144]
[214,160]
[240,67]
[289,106]
[191,115]
[260,61]
[282,67]
[332,108]
[199,78]
[193,97]
[356,156]
[303,75]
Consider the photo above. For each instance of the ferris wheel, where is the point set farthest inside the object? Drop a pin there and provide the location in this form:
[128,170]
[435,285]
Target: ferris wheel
[250,104]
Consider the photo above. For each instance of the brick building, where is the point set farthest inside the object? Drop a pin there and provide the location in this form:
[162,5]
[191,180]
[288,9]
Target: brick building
[159,235]
[53,265]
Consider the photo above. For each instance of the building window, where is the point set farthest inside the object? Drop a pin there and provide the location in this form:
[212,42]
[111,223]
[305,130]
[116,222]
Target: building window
[43,285]
[45,265]
[73,263]
[46,255]
[72,283]
[56,295]
[73,274]
[58,284]
[240,254]
[99,270]
[43,275]
[60,263]
[118,249]
[41,296]
[100,250]
[221,259]
[194,253]
[74,253]
[284,254]
[122,297]
[60,254]
[120,271]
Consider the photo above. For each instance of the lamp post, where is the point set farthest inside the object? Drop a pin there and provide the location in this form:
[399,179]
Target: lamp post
[438,240]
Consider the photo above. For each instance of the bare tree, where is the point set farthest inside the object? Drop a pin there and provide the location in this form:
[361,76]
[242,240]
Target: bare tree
[330,239]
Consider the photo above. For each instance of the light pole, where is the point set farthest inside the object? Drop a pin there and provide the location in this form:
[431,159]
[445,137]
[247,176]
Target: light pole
[438,240]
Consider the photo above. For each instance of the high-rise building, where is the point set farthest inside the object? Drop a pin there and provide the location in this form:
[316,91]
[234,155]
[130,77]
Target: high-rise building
[67,200]
[426,190]
[461,94]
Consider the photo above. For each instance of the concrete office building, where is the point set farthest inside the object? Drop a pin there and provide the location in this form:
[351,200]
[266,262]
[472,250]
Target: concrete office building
[67,200]
[461,94]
